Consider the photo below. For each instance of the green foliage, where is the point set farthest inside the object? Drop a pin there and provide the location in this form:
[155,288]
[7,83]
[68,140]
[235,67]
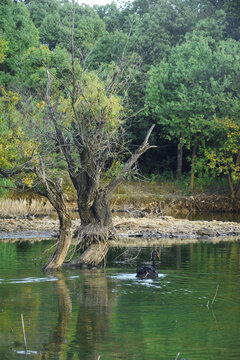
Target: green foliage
[18,30]
[225,157]
[33,77]
[39,9]
[159,27]
[214,27]
[54,22]
[196,84]
[189,45]
[231,8]
[113,170]
[33,69]
[112,16]
[5,185]
[163,177]
[108,49]
[51,30]
[16,148]
[96,104]
[3,49]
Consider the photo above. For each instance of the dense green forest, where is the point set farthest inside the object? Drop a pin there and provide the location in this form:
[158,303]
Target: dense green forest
[173,63]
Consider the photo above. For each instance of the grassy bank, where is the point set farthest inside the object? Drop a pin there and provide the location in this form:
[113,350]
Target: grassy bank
[136,193]
[24,207]
[164,196]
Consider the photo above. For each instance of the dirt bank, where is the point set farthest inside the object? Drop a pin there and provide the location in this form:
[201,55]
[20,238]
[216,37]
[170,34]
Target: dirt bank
[180,205]
[165,198]
[146,227]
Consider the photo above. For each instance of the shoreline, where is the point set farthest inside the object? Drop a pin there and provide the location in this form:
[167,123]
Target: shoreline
[130,229]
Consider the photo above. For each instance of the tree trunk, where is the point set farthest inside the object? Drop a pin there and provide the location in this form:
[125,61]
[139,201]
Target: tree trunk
[231,186]
[234,188]
[237,186]
[194,151]
[93,205]
[64,242]
[54,193]
[95,230]
[179,160]
[94,210]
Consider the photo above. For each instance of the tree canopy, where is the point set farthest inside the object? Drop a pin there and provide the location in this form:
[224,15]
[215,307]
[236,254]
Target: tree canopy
[176,63]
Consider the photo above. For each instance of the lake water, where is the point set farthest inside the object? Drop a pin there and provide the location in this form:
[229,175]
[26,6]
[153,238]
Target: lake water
[192,311]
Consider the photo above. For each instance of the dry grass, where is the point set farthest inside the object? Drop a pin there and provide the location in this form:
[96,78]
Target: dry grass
[135,190]
[24,207]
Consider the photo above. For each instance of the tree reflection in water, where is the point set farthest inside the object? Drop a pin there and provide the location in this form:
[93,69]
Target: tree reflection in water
[58,337]
[96,299]
[93,299]
[81,314]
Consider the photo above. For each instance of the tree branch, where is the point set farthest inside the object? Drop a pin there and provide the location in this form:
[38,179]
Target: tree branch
[118,71]
[60,138]
[133,159]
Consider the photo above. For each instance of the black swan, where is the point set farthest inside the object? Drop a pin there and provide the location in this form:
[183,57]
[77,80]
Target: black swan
[148,271]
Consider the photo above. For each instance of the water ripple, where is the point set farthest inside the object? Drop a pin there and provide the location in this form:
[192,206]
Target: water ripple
[33,280]
[133,277]
[134,280]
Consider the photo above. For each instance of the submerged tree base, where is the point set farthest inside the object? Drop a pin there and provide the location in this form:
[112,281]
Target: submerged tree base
[94,240]
[92,256]
[90,234]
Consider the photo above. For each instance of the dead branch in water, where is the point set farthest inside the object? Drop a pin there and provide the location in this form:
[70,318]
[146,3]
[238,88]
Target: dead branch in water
[132,259]
[24,334]
[214,298]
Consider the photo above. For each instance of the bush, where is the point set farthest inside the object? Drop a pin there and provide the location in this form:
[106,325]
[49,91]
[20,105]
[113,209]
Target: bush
[5,185]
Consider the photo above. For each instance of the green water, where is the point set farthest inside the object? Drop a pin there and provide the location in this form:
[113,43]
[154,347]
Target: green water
[81,314]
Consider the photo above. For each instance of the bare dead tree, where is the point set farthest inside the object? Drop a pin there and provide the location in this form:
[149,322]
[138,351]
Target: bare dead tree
[90,137]
[88,145]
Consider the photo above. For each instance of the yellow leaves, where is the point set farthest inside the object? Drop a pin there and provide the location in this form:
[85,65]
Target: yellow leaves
[41,52]
[115,110]
[3,49]
[212,158]
[92,109]
[41,105]
[236,174]
[64,105]
[9,99]
[28,179]
[64,109]
[15,147]
[94,103]
[225,158]
[29,147]
[114,169]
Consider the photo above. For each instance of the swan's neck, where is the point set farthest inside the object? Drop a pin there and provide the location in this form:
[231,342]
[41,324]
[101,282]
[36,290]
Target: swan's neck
[153,261]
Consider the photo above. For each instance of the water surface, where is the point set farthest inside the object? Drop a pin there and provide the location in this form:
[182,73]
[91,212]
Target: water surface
[193,308]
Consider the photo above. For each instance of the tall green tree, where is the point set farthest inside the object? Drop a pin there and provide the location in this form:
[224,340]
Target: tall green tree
[196,84]
[113,16]
[39,9]
[159,26]
[20,33]
[54,20]
[224,157]
[209,8]
[3,49]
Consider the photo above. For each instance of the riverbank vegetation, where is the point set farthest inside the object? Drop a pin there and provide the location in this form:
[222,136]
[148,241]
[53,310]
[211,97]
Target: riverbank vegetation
[182,74]
[85,92]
